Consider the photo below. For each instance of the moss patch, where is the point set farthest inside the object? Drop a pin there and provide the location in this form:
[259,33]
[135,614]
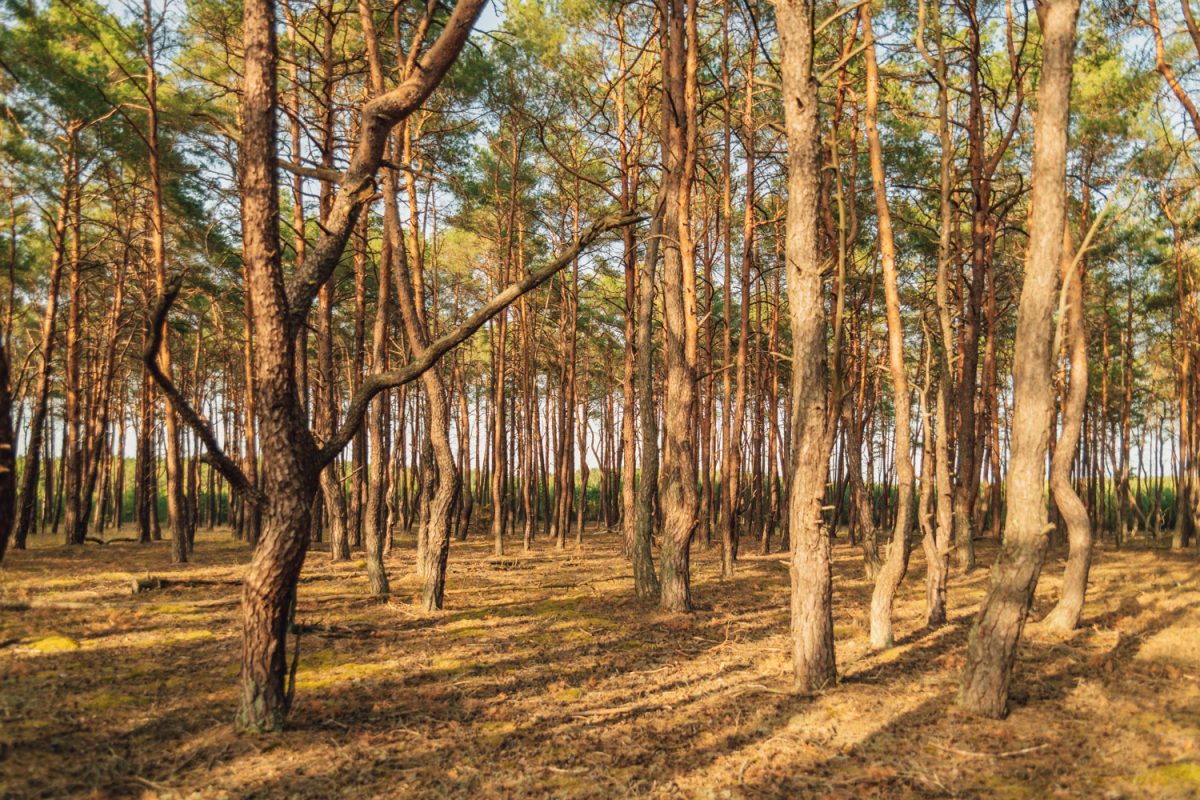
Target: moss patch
[55,644]
[321,677]
[1172,780]
[106,701]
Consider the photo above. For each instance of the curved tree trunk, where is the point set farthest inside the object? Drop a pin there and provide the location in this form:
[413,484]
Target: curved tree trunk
[1065,615]
[937,550]
[992,645]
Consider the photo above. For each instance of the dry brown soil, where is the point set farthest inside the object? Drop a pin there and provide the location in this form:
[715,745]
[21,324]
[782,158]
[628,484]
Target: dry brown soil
[546,678]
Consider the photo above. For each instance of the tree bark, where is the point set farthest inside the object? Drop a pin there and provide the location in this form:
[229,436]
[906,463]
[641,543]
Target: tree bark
[679,495]
[811,429]
[992,644]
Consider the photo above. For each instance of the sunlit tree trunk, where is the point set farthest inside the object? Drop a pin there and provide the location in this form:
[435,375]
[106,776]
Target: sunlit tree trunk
[895,563]
[1065,615]
[992,644]
[811,428]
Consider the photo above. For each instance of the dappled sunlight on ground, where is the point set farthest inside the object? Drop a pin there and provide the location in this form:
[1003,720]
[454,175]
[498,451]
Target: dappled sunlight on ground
[546,677]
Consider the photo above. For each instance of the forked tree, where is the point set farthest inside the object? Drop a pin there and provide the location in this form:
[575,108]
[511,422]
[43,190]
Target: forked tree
[291,459]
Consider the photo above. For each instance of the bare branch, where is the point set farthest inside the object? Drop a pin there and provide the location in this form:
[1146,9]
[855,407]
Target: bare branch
[374,384]
[183,408]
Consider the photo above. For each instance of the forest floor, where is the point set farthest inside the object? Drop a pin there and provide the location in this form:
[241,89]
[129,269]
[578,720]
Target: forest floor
[547,678]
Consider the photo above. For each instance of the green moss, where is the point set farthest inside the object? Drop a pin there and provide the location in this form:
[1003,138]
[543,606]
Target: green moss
[55,644]
[181,610]
[1182,777]
[174,637]
[1005,788]
[567,695]
[562,607]
[457,666]
[106,701]
[321,677]
[315,659]
[493,733]
[466,633]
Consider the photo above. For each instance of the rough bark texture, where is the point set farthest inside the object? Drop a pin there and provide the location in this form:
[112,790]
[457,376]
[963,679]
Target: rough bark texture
[992,644]
[811,576]
[288,452]
[679,496]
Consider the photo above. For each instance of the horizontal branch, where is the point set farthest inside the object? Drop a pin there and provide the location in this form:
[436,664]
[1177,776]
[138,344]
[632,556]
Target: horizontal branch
[374,384]
[336,176]
[224,464]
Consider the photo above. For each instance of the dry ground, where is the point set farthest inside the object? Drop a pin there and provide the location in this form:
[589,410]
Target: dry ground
[545,678]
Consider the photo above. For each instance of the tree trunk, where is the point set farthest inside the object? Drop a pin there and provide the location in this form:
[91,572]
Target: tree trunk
[27,502]
[679,495]
[895,564]
[811,429]
[8,454]
[992,645]
[1065,615]
[645,581]
[176,503]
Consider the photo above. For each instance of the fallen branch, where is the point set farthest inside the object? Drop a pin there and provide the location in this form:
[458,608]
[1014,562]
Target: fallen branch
[976,754]
[616,710]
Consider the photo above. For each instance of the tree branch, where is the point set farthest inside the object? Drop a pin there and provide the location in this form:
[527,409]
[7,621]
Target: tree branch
[224,464]
[372,385]
[379,116]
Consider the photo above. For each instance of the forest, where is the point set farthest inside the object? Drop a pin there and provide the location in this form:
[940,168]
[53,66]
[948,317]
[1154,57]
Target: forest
[599,398]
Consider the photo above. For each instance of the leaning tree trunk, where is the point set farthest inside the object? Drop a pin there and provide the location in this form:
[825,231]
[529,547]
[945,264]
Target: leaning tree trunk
[177,514]
[432,561]
[937,548]
[992,645]
[895,563]
[1065,616]
[811,431]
